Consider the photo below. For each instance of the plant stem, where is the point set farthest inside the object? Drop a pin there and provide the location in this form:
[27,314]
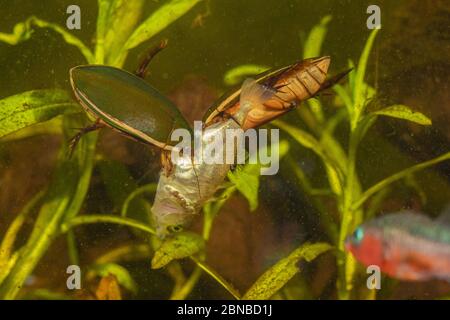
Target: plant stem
[64,198]
[9,239]
[190,283]
[348,218]
[150,188]
[130,252]
[90,219]
[397,176]
[72,248]
[217,277]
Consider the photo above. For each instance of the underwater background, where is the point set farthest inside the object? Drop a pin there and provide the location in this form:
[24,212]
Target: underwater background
[408,65]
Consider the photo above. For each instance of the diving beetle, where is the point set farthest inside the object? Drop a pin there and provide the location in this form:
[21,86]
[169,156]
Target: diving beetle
[126,103]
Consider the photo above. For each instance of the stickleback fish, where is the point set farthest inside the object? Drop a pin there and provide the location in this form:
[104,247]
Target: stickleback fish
[405,245]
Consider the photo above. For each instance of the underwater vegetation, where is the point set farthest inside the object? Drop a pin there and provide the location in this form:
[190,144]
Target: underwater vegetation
[92,192]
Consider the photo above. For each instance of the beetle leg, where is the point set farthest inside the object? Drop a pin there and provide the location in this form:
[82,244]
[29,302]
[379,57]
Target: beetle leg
[166,162]
[334,79]
[76,138]
[142,69]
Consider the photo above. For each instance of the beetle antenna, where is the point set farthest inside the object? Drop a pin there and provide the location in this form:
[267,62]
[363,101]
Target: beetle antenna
[143,66]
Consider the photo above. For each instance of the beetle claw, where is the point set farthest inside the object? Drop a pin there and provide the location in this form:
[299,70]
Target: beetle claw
[82,131]
[142,69]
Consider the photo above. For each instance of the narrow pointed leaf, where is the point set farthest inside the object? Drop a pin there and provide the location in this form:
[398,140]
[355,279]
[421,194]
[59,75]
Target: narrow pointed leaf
[181,245]
[400,111]
[359,86]
[23,31]
[122,275]
[116,22]
[31,107]
[315,38]
[157,21]
[246,180]
[238,74]
[278,275]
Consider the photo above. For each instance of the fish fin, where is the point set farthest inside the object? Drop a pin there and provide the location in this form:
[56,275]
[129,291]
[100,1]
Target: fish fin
[444,217]
[254,92]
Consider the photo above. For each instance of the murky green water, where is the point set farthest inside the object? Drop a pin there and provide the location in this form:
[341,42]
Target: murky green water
[408,65]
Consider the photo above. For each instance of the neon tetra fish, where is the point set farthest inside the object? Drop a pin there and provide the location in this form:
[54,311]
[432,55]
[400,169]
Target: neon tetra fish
[405,245]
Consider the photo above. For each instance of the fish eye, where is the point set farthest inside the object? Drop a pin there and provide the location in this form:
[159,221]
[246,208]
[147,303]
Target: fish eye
[175,228]
[358,235]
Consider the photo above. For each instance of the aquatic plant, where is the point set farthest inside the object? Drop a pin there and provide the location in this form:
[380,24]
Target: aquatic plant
[117,33]
[340,164]
[59,206]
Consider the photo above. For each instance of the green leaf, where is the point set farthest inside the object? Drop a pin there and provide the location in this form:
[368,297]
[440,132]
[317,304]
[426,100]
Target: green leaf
[181,245]
[116,21]
[50,127]
[23,31]
[358,92]
[365,123]
[369,92]
[333,149]
[304,138]
[236,75]
[122,275]
[316,108]
[119,184]
[278,275]
[400,111]
[310,142]
[211,208]
[99,218]
[397,176]
[333,179]
[45,294]
[20,33]
[134,196]
[351,75]
[315,38]
[126,253]
[63,199]
[246,180]
[103,17]
[345,97]
[7,256]
[157,21]
[9,238]
[31,107]
[217,277]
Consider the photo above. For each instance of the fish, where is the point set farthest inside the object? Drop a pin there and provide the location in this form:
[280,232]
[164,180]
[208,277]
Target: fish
[186,186]
[181,194]
[406,245]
